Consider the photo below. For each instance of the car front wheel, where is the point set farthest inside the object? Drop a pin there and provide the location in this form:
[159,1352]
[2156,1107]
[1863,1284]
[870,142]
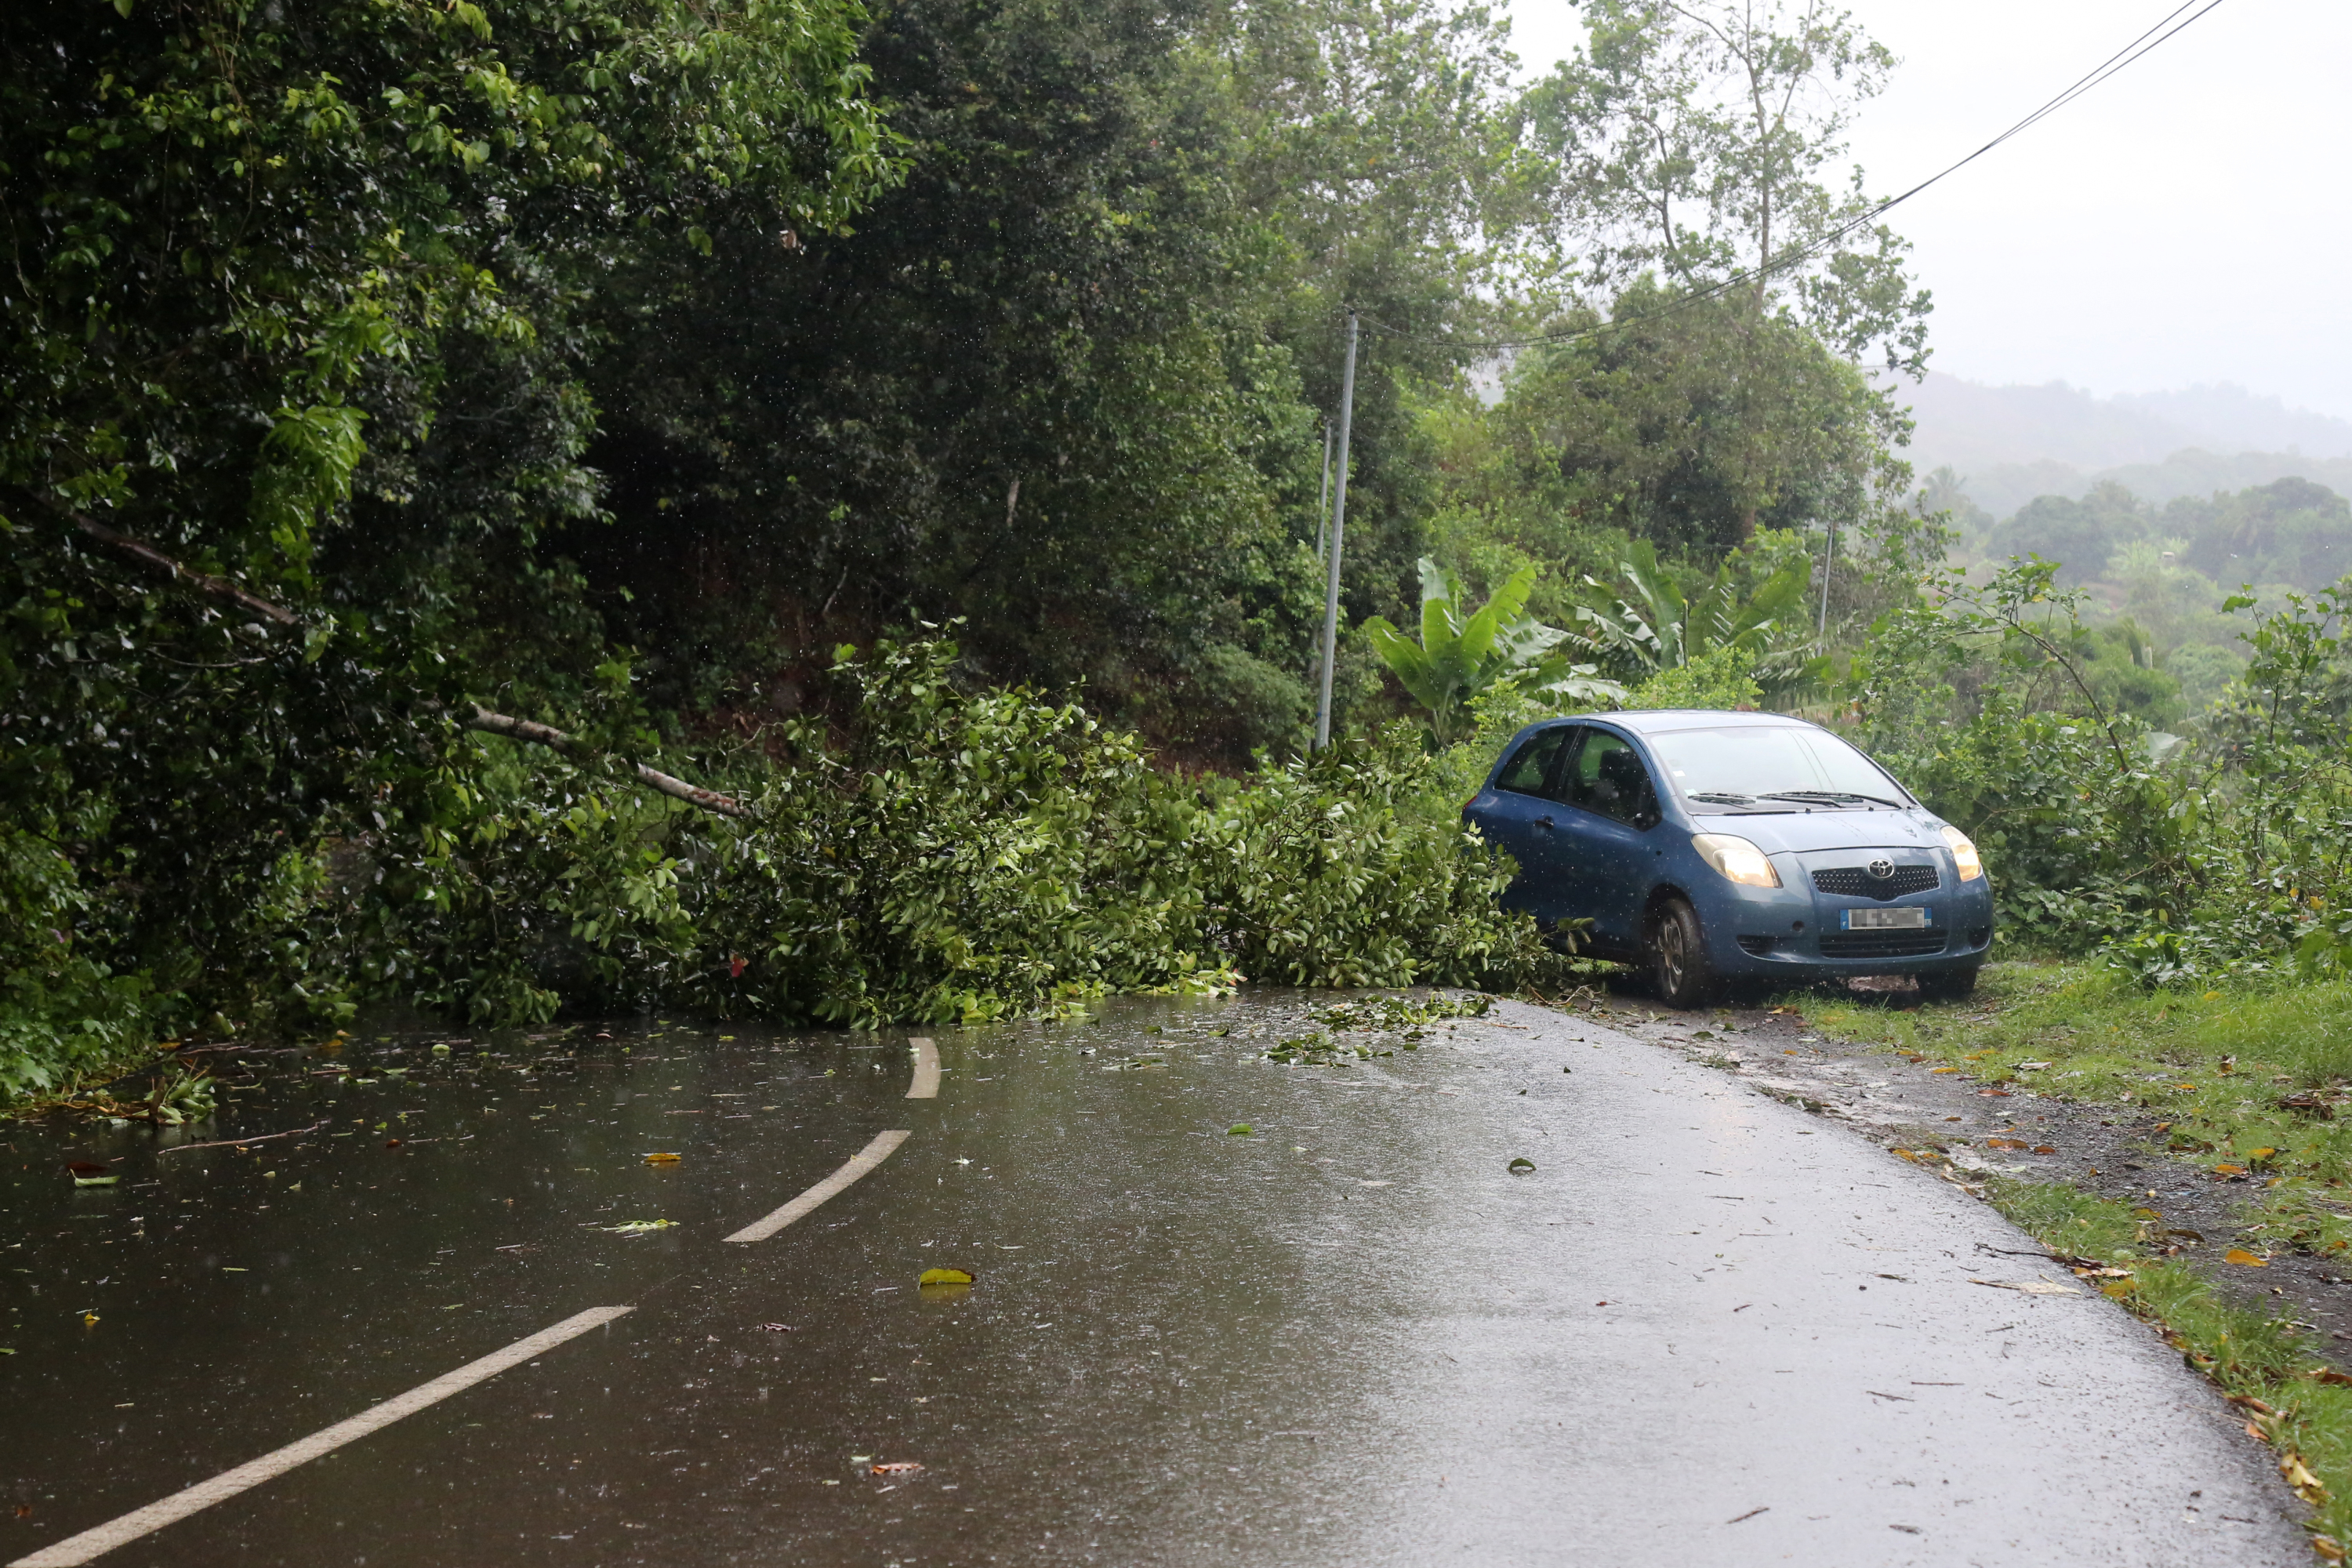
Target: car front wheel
[1679,971]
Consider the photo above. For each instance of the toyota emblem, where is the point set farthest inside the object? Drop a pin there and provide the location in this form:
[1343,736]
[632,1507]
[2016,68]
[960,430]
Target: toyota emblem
[1882,867]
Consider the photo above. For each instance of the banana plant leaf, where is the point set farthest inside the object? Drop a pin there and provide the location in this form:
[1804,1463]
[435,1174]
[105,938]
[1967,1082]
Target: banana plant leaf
[1464,653]
[1655,626]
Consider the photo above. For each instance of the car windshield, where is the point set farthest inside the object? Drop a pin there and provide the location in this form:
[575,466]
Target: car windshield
[1760,768]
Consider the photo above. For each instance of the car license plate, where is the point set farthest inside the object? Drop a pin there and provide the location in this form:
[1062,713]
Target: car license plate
[1914,917]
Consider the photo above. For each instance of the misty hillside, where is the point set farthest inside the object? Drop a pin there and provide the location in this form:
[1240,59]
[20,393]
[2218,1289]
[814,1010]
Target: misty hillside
[2011,443]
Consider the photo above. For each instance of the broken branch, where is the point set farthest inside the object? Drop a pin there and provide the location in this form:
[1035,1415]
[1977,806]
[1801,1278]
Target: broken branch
[156,560]
[572,746]
[221,588]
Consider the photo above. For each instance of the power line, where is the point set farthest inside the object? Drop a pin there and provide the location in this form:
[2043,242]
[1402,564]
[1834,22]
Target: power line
[2123,57]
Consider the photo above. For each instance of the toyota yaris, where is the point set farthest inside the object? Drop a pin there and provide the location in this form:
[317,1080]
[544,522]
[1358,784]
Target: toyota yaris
[1734,848]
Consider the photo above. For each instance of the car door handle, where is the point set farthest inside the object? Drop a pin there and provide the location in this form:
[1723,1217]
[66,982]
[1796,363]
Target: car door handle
[1544,822]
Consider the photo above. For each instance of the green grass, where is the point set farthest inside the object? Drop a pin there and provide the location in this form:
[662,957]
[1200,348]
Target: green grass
[2217,1068]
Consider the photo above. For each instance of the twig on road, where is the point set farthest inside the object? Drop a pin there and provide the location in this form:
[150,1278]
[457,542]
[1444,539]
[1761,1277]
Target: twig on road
[241,1142]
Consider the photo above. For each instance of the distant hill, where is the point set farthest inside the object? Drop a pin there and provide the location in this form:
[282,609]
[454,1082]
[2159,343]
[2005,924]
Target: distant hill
[2002,488]
[2011,444]
[2229,418]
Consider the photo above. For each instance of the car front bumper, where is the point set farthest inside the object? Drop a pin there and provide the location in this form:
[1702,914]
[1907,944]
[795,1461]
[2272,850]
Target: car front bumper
[1796,931]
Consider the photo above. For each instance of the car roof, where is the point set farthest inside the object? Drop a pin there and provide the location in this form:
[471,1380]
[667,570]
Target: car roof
[1665,721]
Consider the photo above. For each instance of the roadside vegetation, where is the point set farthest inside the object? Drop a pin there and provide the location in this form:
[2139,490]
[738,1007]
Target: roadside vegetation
[2246,1080]
[814,512]
[423,587]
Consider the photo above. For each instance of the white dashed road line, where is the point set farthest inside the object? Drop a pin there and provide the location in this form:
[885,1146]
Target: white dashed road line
[865,1160]
[927,1070]
[92,1544]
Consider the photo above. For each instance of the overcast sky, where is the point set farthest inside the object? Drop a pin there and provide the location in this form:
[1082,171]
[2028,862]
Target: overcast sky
[2186,222]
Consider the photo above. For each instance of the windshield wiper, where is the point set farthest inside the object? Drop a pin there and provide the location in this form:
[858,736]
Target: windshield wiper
[1738,805]
[1835,796]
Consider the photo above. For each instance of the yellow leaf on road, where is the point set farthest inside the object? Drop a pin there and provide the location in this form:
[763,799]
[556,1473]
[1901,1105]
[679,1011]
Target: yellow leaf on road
[2240,1256]
[944,1277]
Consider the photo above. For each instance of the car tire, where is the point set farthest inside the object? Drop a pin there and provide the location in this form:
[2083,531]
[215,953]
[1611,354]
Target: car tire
[1676,951]
[1947,986]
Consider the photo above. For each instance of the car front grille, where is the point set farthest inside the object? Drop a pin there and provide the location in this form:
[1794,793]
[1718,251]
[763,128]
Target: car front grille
[1758,945]
[1854,882]
[1882,944]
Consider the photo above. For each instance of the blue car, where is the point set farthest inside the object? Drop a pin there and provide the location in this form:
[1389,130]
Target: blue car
[1719,849]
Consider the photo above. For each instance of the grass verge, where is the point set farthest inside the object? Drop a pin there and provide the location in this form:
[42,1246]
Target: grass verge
[2249,1081]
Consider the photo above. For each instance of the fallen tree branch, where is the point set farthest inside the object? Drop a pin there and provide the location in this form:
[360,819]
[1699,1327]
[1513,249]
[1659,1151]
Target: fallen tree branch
[572,746]
[156,560]
[221,588]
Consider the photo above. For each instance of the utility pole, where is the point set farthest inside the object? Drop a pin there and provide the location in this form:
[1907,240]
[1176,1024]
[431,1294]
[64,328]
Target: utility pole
[1829,561]
[1323,500]
[1338,533]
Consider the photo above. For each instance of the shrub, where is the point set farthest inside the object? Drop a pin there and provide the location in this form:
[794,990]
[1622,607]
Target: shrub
[942,855]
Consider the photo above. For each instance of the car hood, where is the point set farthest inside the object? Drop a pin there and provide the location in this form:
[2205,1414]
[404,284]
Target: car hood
[1800,832]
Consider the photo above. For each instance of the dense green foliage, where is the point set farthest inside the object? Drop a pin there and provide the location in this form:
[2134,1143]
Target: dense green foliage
[1659,627]
[1061,382]
[940,853]
[301,304]
[2291,532]
[2184,856]
[608,362]
[1462,654]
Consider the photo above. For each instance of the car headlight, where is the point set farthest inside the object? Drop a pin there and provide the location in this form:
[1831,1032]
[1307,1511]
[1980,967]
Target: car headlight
[1964,854]
[1738,861]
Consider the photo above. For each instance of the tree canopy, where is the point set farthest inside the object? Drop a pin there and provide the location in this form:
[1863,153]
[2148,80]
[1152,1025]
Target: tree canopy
[388,382]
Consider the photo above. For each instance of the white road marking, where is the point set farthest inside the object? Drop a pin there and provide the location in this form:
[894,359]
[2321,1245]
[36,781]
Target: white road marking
[927,1070]
[865,1160]
[92,1544]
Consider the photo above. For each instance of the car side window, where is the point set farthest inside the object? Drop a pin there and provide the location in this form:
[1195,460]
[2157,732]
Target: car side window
[1530,765]
[1609,778]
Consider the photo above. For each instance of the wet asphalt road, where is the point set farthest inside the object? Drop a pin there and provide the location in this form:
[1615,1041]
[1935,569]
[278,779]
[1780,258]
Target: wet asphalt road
[1706,1325]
